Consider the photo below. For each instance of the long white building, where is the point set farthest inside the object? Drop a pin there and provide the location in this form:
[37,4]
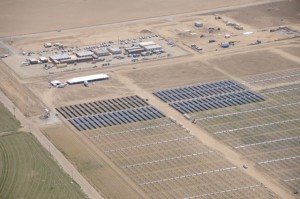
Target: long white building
[90,78]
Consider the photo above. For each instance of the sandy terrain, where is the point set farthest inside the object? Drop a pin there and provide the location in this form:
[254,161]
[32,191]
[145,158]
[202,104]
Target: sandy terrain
[258,62]
[174,75]
[274,14]
[55,97]
[294,50]
[20,17]
[21,96]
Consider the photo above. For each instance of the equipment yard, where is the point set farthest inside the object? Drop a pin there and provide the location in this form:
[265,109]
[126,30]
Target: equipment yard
[181,100]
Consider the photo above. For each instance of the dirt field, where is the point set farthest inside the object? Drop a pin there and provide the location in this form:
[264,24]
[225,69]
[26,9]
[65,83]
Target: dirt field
[273,14]
[91,165]
[18,93]
[294,50]
[174,75]
[71,94]
[252,63]
[20,17]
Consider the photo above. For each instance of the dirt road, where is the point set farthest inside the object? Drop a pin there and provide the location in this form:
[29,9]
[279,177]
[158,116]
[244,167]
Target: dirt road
[29,126]
[231,155]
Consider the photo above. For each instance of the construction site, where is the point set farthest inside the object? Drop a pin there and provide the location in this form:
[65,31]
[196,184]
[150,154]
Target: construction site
[202,104]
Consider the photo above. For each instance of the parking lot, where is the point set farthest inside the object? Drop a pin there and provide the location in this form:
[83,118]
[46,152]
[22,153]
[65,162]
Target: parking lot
[21,63]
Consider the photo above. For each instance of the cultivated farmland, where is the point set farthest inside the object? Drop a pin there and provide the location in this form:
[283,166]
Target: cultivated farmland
[27,171]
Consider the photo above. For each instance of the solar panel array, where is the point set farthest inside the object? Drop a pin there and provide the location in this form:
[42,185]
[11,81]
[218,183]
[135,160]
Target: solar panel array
[265,133]
[202,97]
[165,161]
[87,116]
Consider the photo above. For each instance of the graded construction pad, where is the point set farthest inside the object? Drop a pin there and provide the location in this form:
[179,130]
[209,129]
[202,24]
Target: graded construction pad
[202,97]
[110,112]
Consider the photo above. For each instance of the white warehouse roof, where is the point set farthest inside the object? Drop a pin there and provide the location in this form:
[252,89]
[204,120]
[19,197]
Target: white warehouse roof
[153,47]
[84,53]
[89,78]
[60,57]
[146,43]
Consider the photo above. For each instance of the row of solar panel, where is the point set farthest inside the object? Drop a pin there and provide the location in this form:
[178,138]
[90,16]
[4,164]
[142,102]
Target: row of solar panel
[116,118]
[201,90]
[195,105]
[101,106]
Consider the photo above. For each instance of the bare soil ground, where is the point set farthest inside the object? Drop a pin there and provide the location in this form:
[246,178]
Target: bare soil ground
[268,15]
[19,17]
[174,75]
[79,37]
[3,51]
[91,165]
[294,50]
[252,63]
[71,94]
[19,94]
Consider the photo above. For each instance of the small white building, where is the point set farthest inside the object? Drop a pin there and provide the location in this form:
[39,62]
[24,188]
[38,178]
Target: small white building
[198,24]
[33,61]
[44,59]
[101,52]
[47,45]
[134,50]
[84,53]
[146,43]
[114,50]
[153,47]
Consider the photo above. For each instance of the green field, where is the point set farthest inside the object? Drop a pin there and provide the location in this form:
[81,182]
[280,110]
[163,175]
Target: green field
[8,122]
[27,170]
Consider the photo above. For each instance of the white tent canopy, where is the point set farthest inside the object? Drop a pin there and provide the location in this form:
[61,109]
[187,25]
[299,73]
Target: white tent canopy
[89,78]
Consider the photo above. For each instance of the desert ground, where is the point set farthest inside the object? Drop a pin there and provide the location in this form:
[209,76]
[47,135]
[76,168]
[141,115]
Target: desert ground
[19,17]
[119,140]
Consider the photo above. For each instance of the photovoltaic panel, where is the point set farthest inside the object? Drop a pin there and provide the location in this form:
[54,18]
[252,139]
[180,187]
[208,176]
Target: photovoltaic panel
[202,97]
